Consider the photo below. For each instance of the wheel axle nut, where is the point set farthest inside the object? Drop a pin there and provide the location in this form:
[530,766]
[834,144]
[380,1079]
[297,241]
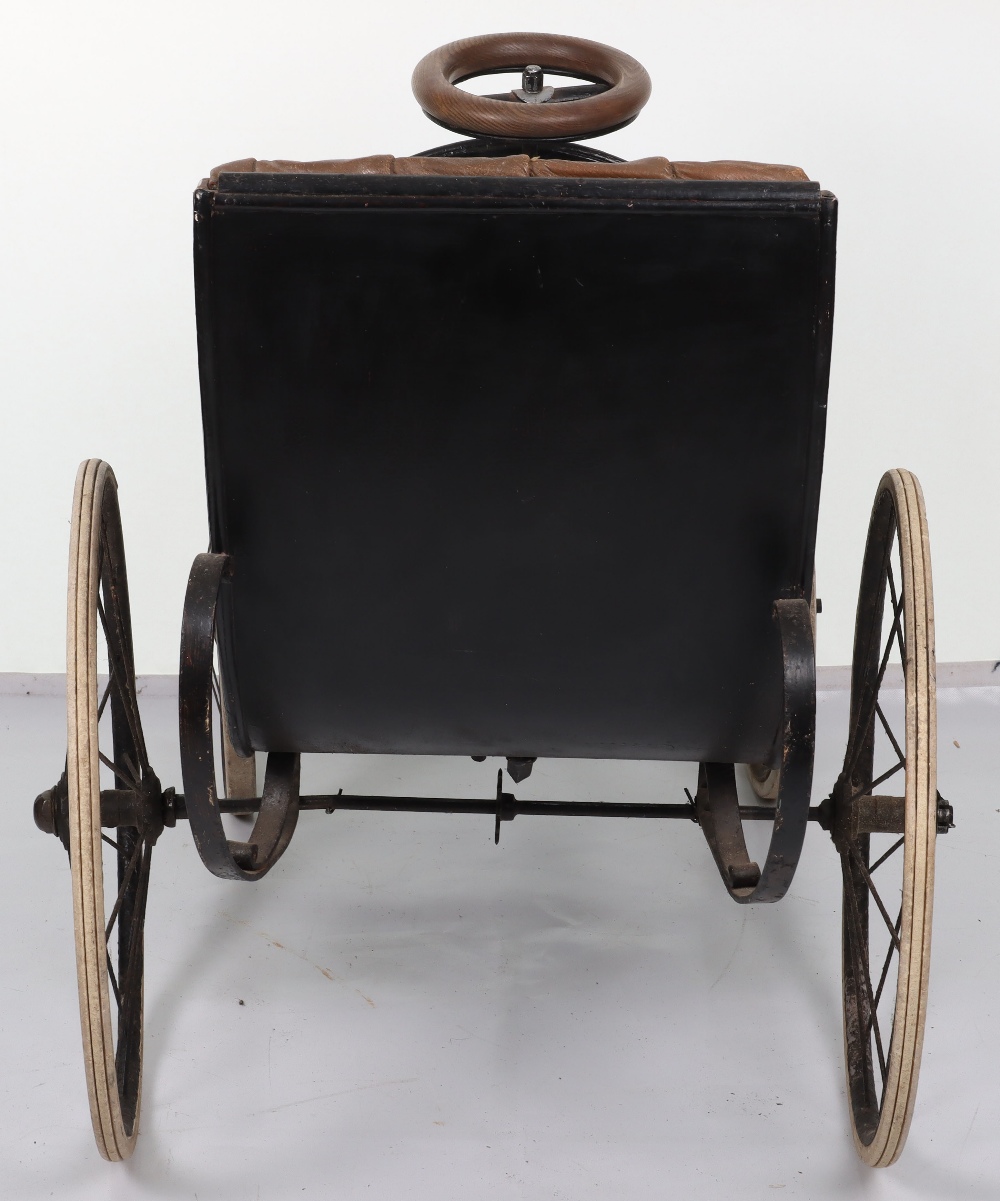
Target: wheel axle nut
[45,812]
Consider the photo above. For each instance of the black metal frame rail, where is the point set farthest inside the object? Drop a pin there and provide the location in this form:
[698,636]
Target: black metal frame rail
[509,807]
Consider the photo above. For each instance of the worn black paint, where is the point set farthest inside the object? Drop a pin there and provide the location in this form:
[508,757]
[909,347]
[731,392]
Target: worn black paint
[515,467]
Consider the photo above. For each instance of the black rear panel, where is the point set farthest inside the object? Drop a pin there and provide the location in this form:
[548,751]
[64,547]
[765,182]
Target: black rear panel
[515,470]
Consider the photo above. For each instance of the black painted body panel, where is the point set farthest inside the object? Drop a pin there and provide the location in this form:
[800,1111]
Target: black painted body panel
[511,467]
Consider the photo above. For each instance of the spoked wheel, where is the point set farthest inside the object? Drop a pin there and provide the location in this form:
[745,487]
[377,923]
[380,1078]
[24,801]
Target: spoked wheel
[107,754]
[884,822]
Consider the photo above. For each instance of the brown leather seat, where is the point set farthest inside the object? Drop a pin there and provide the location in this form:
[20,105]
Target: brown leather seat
[514,165]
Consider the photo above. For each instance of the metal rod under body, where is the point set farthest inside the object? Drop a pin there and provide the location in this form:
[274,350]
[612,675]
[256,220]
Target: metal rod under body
[510,805]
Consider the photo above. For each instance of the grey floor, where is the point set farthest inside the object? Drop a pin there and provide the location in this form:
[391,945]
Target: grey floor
[402,1010]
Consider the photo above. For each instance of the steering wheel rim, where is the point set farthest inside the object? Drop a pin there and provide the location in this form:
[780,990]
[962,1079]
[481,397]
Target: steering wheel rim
[436,75]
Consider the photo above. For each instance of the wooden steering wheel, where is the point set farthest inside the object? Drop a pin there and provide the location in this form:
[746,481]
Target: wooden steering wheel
[618,87]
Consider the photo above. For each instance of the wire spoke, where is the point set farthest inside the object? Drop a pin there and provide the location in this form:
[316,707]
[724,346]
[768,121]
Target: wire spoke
[115,669]
[889,774]
[882,858]
[104,699]
[114,980]
[860,958]
[129,871]
[881,780]
[130,711]
[888,959]
[129,782]
[881,984]
[139,913]
[855,735]
[136,775]
[119,675]
[129,990]
[874,891]
[111,842]
[871,700]
[104,626]
[885,726]
[897,609]
[102,563]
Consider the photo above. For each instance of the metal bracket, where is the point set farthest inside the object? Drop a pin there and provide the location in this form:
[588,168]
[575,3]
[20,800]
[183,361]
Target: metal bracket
[717,805]
[718,813]
[279,804]
[506,811]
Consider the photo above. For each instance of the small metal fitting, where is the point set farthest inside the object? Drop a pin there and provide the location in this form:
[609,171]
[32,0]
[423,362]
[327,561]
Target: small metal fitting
[532,80]
[519,767]
[45,812]
[51,811]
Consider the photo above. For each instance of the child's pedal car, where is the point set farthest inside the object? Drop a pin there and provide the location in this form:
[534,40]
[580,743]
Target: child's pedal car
[513,448]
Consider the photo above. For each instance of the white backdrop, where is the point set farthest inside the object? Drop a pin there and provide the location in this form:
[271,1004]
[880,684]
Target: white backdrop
[114,111]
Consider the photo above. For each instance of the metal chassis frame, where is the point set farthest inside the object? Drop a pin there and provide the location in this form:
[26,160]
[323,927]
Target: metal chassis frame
[715,808]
